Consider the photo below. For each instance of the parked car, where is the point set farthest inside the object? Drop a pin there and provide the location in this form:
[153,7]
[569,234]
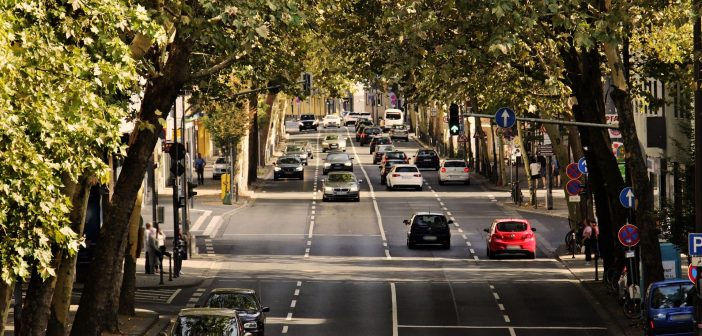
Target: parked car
[394,155]
[386,168]
[454,170]
[337,161]
[297,150]
[404,175]
[510,236]
[341,185]
[669,308]
[246,304]
[427,158]
[428,228]
[378,140]
[399,132]
[367,133]
[334,142]
[380,151]
[307,146]
[289,167]
[220,167]
[208,321]
[331,120]
[308,122]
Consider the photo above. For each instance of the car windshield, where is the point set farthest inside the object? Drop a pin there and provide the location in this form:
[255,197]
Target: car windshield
[395,155]
[206,325]
[236,301]
[337,157]
[307,117]
[406,170]
[341,178]
[673,296]
[332,137]
[454,164]
[293,149]
[393,116]
[511,226]
[221,160]
[288,160]
[432,221]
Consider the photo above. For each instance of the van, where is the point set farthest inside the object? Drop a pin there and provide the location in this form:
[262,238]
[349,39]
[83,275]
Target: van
[669,308]
[391,118]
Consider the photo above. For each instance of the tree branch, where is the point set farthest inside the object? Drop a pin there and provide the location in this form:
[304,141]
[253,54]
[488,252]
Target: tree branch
[227,61]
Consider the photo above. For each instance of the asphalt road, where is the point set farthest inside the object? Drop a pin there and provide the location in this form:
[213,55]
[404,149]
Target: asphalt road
[342,268]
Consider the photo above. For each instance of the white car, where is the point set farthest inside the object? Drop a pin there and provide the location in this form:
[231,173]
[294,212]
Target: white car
[220,167]
[351,117]
[454,170]
[334,142]
[404,175]
[331,120]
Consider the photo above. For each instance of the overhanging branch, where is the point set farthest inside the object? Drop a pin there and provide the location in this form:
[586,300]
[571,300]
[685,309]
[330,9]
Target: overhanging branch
[227,61]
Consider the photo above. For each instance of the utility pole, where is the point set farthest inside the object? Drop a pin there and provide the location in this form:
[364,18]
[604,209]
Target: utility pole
[184,180]
[697,46]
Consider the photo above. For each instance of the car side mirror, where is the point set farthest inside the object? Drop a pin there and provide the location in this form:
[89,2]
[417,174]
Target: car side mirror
[450,221]
[533,230]
[486,230]
[265,309]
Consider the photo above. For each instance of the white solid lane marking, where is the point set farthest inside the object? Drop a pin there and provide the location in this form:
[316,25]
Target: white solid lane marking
[393,294]
[387,254]
[212,226]
[498,327]
[449,213]
[460,230]
[309,235]
[170,299]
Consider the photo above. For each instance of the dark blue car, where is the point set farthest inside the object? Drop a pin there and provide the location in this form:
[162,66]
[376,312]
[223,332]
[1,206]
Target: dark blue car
[669,308]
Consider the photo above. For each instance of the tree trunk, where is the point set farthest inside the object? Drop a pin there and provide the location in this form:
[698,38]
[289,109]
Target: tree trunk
[5,299]
[126,294]
[525,157]
[266,130]
[159,95]
[37,302]
[61,301]
[560,150]
[584,77]
[253,139]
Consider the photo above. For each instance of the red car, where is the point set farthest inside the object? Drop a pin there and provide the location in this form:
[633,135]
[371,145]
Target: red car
[511,236]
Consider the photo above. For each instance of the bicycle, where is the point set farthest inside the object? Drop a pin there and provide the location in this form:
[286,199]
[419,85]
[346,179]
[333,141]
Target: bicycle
[615,279]
[573,240]
[632,302]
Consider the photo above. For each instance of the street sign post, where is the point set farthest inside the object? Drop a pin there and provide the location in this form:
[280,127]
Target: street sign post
[573,172]
[629,235]
[573,187]
[582,165]
[574,199]
[626,197]
[505,117]
[694,243]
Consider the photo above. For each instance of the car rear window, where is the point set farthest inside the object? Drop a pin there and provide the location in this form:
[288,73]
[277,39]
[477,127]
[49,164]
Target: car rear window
[373,130]
[332,137]
[393,116]
[384,148]
[293,149]
[426,153]
[511,226]
[454,164]
[289,160]
[673,296]
[433,221]
[337,157]
[236,301]
[307,117]
[341,178]
[395,155]
[406,170]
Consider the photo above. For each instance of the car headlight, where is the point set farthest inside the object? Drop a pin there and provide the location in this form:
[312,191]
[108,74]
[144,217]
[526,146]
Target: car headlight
[327,164]
[315,122]
[325,144]
[276,168]
[298,169]
[347,164]
[250,325]
[301,123]
[353,188]
[328,189]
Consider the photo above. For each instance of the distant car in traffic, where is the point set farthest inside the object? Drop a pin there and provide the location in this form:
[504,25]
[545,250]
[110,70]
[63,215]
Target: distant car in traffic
[308,122]
[333,142]
[297,150]
[428,228]
[307,146]
[368,133]
[208,321]
[394,155]
[511,236]
[378,140]
[289,167]
[403,176]
[386,167]
[454,170]
[341,185]
[362,122]
[399,132]
[246,304]
[337,161]
[220,167]
[331,120]
[427,158]
[380,150]
[351,117]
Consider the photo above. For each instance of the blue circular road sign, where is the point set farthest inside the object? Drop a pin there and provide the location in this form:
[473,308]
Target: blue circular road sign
[582,165]
[626,197]
[573,187]
[629,235]
[505,117]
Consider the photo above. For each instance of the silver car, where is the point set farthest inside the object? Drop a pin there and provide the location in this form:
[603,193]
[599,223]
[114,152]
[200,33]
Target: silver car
[341,186]
[305,145]
[334,142]
[296,150]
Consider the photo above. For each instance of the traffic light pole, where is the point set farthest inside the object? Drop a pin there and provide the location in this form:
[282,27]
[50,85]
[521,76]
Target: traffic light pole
[184,182]
[547,121]
[176,224]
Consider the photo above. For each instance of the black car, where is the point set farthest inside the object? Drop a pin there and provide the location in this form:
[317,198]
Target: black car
[427,158]
[385,169]
[428,228]
[362,122]
[341,186]
[246,304]
[289,166]
[308,122]
[209,321]
[337,161]
[369,132]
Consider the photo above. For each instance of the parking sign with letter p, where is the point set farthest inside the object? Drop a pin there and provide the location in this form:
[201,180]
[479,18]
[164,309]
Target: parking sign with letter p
[694,244]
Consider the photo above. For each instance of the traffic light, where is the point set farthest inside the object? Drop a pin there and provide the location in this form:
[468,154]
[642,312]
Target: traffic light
[177,167]
[191,189]
[306,84]
[454,120]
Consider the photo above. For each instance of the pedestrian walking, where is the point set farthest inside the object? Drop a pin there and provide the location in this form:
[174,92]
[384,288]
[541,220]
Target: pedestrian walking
[590,234]
[149,232]
[542,169]
[535,169]
[154,253]
[161,245]
[200,169]
[556,171]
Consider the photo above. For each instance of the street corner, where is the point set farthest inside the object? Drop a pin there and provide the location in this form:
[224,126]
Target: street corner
[194,271]
[141,323]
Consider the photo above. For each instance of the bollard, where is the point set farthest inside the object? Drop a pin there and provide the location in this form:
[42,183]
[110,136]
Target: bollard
[574,243]
[160,269]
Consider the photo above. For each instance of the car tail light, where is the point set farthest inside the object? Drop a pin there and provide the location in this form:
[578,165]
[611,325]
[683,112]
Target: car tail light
[529,236]
[466,170]
[653,326]
[417,175]
[395,175]
[443,170]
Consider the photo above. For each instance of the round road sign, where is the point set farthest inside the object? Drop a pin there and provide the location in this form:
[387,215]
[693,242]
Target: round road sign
[692,273]
[626,197]
[573,187]
[505,117]
[629,235]
[573,172]
[582,165]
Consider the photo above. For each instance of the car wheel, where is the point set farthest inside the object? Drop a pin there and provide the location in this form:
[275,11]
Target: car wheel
[302,176]
[275,178]
[447,246]
[441,182]
[382,181]
[531,255]
[325,199]
[406,139]
[357,199]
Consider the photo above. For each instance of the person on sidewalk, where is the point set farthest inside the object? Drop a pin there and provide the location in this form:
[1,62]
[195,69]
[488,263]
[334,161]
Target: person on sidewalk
[535,169]
[149,263]
[154,253]
[200,169]
[590,233]
[542,169]
[556,171]
[161,244]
